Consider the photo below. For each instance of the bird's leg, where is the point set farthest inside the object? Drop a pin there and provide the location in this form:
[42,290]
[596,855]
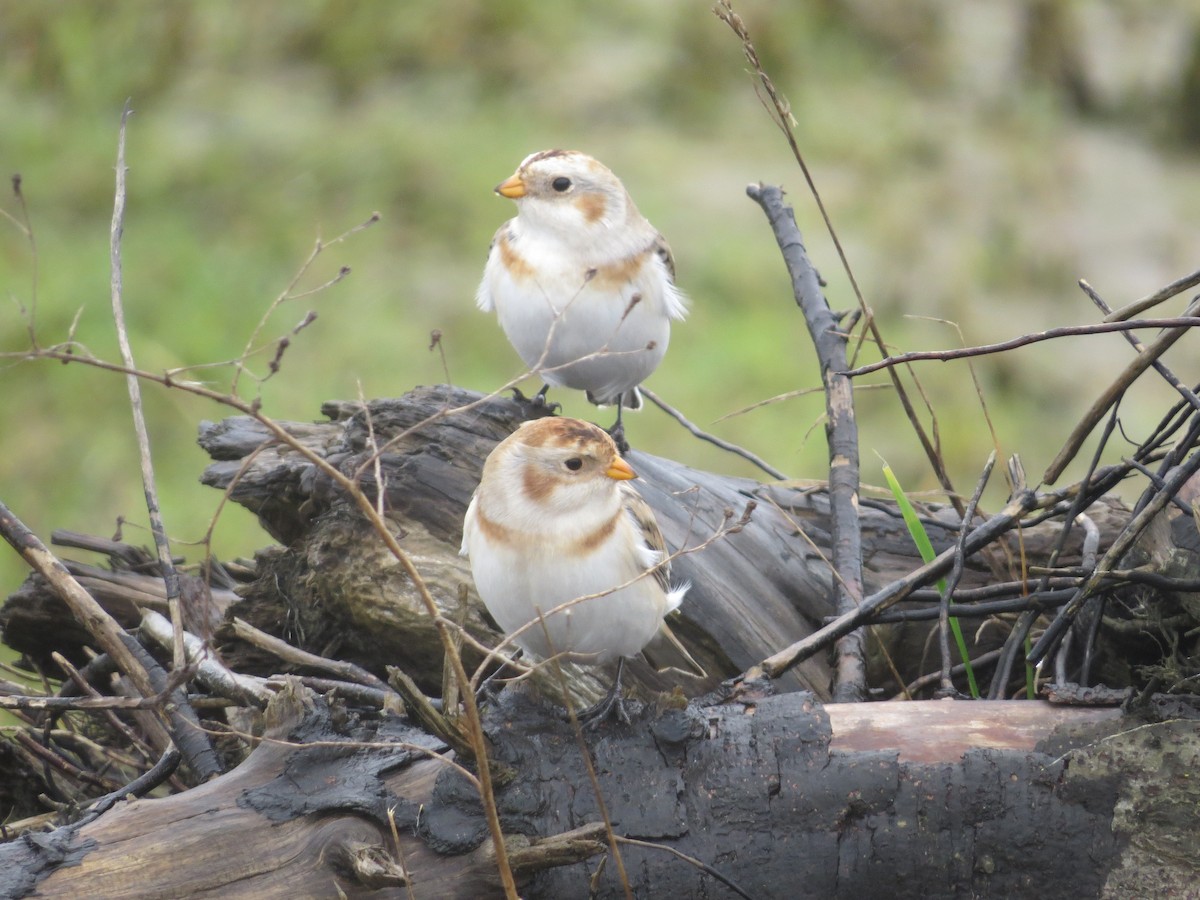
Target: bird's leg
[487,691]
[611,702]
[617,432]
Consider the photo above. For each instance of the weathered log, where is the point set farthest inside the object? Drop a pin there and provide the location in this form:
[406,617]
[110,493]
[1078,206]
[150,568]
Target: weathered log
[753,591]
[778,794]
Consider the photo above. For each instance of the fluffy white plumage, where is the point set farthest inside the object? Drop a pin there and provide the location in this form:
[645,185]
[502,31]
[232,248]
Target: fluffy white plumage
[583,285]
[554,519]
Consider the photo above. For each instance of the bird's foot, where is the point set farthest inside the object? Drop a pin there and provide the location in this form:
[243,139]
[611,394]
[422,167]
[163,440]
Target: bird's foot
[488,690]
[611,705]
[608,705]
[617,433]
[538,400]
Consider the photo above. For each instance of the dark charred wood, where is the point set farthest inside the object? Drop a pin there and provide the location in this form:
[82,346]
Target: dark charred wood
[781,795]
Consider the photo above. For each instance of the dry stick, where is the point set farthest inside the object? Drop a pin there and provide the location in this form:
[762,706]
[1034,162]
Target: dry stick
[840,429]
[1189,396]
[170,575]
[1165,293]
[1091,546]
[1119,547]
[711,438]
[99,624]
[986,609]
[364,505]
[1159,366]
[213,674]
[691,860]
[1020,631]
[1106,400]
[1001,522]
[782,109]
[65,704]
[192,742]
[1025,340]
[349,671]
[960,560]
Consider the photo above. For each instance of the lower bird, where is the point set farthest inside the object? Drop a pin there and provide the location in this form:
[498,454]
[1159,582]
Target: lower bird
[582,283]
[554,519]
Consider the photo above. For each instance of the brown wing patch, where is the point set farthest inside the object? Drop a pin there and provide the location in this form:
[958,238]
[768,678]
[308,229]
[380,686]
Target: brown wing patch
[618,274]
[649,533]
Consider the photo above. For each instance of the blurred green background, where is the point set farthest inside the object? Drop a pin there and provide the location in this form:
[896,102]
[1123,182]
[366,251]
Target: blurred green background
[977,159]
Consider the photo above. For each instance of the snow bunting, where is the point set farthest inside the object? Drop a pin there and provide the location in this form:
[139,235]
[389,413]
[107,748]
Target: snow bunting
[583,285]
[554,519]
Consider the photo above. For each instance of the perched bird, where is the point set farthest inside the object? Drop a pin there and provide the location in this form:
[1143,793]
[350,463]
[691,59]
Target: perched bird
[583,285]
[554,519]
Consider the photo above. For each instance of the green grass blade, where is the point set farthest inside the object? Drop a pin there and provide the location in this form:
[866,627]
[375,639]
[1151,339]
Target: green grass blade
[921,539]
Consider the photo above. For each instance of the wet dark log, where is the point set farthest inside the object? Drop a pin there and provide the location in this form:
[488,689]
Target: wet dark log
[777,794]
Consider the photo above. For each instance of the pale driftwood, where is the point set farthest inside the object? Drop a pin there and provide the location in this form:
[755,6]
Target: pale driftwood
[930,799]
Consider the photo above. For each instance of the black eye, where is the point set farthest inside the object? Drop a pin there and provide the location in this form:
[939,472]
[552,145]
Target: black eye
[574,463]
[560,184]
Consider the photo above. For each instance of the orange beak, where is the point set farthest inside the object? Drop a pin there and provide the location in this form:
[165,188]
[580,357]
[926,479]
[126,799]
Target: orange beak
[620,470]
[513,188]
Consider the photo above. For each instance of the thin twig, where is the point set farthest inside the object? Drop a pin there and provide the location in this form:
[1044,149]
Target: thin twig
[1164,293]
[1001,522]
[294,655]
[1024,340]
[1116,551]
[960,561]
[1158,365]
[785,122]
[711,438]
[169,574]
[691,860]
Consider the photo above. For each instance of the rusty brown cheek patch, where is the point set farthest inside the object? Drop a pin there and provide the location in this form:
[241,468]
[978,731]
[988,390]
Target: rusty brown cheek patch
[592,206]
[535,485]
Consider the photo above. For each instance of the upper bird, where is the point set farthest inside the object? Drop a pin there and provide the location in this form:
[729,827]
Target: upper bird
[583,285]
[554,519]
